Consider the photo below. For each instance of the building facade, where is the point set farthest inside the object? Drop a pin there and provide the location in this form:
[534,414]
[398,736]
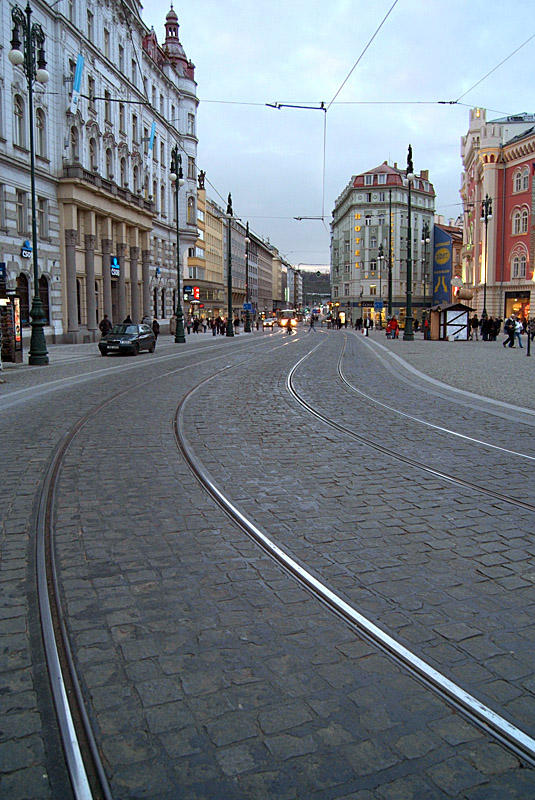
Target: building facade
[497,257]
[106,205]
[369,236]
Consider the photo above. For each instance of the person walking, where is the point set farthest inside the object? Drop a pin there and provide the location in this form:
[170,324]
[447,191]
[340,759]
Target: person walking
[172,325]
[519,330]
[236,326]
[394,327]
[474,328]
[127,320]
[105,325]
[509,329]
[311,324]
[531,329]
[155,328]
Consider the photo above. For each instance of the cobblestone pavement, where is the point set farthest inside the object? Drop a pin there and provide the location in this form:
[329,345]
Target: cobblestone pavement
[208,672]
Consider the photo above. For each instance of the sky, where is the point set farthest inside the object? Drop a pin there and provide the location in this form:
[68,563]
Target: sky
[287,163]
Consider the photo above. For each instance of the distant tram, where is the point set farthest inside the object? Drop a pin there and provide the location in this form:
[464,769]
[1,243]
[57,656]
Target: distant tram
[287,316]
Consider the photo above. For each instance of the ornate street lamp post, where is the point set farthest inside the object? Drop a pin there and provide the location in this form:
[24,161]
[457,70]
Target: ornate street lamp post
[32,59]
[178,179]
[381,261]
[486,214]
[247,326]
[408,332]
[390,254]
[425,241]
[228,215]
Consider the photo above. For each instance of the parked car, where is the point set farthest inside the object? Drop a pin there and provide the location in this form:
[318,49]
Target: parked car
[269,322]
[127,338]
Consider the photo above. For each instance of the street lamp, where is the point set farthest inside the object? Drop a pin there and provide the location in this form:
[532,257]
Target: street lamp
[228,215]
[486,214]
[390,254]
[381,261]
[408,332]
[32,59]
[425,241]
[247,326]
[177,178]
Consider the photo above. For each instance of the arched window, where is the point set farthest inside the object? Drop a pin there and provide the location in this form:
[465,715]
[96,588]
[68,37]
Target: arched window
[23,292]
[109,164]
[19,132]
[524,221]
[93,155]
[517,219]
[124,182]
[75,144]
[43,294]
[191,211]
[518,266]
[154,191]
[525,179]
[41,132]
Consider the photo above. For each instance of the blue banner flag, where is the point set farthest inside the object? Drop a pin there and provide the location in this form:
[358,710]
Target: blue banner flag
[442,266]
[152,132]
[77,83]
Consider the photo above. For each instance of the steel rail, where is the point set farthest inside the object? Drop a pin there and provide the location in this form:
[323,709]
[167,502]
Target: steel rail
[374,445]
[73,722]
[438,428]
[516,740]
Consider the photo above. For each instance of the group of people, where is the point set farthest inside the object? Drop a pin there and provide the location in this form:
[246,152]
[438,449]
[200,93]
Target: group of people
[514,327]
[105,325]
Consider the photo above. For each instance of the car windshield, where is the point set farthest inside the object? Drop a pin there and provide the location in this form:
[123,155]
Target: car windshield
[124,329]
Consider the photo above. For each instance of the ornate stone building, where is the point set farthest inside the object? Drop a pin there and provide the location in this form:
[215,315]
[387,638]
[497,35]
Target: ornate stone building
[107,220]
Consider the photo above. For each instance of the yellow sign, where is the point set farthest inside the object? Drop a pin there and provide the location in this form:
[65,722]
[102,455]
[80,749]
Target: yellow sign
[442,255]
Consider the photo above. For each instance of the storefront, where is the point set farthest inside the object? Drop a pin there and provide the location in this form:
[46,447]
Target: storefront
[517,303]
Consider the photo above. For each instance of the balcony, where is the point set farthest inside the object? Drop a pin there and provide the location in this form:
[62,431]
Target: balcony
[78,172]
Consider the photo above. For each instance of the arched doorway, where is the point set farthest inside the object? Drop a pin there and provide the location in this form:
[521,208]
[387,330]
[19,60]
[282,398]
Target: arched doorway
[23,292]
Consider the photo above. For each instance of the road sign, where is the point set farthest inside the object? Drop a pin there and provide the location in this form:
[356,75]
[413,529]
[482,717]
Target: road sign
[378,305]
[247,306]
[188,289]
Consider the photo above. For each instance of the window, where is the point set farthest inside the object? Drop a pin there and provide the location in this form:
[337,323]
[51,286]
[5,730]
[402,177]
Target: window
[191,168]
[107,106]
[519,267]
[135,173]
[525,180]
[368,197]
[145,141]
[191,124]
[121,118]
[109,164]
[91,92]
[517,221]
[121,58]
[524,221]
[346,289]
[368,219]
[373,265]
[381,220]
[93,154]
[106,43]
[381,178]
[368,180]
[74,142]
[134,128]
[162,153]
[173,112]
[382,197]
[192,219]
[21,212]
[41,133]
[373,290]
[43,294]
[122,168]
[162,199]
[373,241]
[90,30]
[19,137]
[133,71]
[154,96]
[518,182]
[155,149]
[42,217]
[71,10]
[162,105]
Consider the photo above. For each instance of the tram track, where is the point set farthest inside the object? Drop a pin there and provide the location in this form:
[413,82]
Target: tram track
[473,710]
[83,762]
[374,445]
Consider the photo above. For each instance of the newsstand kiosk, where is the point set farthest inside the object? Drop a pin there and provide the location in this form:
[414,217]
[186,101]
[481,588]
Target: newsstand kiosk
[10,324]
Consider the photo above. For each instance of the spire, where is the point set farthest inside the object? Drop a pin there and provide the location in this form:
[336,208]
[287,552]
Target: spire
[172,47]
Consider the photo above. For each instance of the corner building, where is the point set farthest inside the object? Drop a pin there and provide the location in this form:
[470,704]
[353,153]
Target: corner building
[372,213]
[107,225]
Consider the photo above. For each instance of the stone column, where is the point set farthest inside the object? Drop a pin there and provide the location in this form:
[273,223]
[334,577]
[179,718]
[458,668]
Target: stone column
[90,240]
[121,253]
[106,277]
[134,289]
[145,277]
[71,237]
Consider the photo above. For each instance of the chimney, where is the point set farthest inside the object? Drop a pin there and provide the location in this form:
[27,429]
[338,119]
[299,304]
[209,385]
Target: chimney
[395,164]
[424,174]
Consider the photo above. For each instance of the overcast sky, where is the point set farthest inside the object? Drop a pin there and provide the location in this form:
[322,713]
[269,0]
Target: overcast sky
[251,52]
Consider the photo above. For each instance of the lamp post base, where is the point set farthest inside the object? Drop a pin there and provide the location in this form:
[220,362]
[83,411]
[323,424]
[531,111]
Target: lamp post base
[408,333]
[37,354]
[247,326]
[179,333]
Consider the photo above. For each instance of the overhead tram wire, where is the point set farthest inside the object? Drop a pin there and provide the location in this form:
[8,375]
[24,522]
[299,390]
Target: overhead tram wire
[496,67]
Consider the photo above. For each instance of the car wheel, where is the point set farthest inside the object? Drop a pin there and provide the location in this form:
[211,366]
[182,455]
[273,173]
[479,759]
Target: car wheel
[103,353]
[136,349]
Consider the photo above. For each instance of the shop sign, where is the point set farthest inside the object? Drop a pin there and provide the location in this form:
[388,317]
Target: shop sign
[115,267]
[26,249]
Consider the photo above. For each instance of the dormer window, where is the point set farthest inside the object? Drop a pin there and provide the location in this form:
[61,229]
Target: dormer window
[368,180]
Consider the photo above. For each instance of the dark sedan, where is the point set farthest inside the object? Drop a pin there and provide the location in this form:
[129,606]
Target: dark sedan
[127,338]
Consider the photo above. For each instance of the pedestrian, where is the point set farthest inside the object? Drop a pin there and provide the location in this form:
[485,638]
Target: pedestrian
[519,330]
[394,326]
[509,329]
[388,330]
[474,328]
[188,325]
[236,325]
[204,324]
[311,324]
[105,325]
[416,325]
[172,325]
[155,327]
[127,320]
[195,325]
